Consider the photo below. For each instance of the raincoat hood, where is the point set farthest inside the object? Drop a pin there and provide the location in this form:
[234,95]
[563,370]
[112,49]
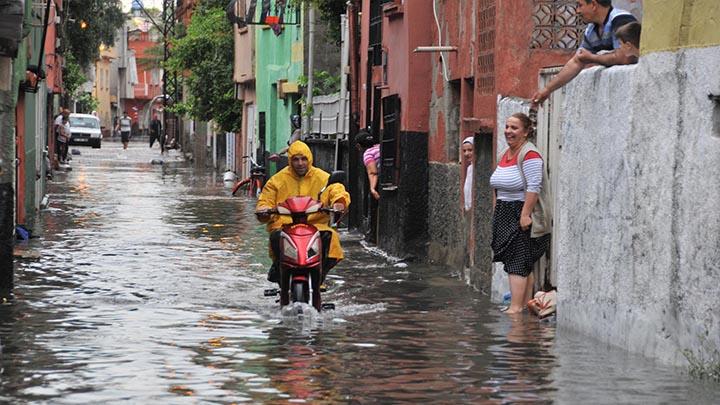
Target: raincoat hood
[300,148]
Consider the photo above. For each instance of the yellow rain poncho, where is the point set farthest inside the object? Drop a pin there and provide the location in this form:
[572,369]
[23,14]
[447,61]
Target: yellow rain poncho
[286,183]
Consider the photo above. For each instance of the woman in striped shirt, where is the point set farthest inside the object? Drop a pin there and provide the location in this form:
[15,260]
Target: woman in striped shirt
[517,181]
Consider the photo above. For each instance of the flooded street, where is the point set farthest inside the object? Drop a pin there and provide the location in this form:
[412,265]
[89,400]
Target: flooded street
[150,285]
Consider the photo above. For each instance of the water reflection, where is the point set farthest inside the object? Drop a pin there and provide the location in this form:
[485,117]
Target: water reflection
[149,290]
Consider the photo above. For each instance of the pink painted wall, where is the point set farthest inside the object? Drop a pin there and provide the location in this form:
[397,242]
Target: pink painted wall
[408,73]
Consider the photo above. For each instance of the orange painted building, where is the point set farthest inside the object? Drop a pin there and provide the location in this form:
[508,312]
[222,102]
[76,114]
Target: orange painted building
[141,38]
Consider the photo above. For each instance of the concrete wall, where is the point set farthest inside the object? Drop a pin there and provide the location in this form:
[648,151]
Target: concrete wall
[638,256]
[446,230]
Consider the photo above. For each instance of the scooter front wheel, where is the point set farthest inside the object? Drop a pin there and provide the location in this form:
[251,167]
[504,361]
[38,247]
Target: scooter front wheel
[299,291]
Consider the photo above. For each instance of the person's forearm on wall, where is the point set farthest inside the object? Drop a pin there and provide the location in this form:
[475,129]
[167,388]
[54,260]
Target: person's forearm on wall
[571,69]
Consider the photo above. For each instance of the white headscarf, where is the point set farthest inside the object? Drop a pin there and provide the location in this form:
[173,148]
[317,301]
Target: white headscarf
[467,187]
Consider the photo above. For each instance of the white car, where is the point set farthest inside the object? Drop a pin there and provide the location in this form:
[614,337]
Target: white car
[85,130]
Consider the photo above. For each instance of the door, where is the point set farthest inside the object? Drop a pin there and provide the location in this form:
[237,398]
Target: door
[249,139]
[548,141]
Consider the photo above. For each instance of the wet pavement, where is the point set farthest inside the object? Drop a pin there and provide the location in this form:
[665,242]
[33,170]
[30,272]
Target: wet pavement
[149,290]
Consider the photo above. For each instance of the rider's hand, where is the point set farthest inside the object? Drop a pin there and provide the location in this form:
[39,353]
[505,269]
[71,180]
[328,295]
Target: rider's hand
[263,214]
[339,207]
[375,194]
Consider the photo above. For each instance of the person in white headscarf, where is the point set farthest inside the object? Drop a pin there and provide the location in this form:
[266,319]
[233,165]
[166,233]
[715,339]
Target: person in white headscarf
[468,153]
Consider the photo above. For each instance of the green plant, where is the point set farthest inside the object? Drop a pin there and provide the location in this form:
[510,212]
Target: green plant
[702,368]
[203,57]
[329,14]
[324,83]
[86,103]
[73,76]
[87,24]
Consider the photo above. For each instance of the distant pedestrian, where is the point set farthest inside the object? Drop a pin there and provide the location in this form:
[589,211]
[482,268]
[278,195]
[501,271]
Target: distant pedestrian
[521,230]
[57,130]
[64,139]
[125,126]
[155,129]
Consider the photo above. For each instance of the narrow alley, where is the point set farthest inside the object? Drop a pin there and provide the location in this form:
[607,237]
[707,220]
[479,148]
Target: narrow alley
[149,289]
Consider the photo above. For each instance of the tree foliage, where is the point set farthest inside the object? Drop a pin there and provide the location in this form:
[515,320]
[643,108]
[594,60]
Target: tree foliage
[89,23]
[204,57]
[329,14]
[73,76]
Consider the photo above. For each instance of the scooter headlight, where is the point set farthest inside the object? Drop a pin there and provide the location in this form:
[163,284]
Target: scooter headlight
[314,247]
[289,250]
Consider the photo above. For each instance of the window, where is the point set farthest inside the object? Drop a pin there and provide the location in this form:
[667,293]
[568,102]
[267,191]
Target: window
[389,141]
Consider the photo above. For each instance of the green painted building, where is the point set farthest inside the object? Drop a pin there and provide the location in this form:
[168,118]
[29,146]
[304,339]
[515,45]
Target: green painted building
[279,66]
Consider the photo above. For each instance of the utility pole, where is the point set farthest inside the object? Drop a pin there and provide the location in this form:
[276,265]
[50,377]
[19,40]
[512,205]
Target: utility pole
[311,67]
[170,87]
[170,81]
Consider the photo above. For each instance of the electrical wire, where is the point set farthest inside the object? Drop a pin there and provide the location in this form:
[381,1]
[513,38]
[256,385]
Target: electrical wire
[442,54]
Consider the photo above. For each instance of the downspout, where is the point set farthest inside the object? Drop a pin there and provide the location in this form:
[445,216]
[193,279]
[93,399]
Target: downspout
[40,69]
[354,171]
[311,67]
[343,87]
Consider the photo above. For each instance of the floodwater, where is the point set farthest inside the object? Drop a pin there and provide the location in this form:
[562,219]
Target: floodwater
[149,290]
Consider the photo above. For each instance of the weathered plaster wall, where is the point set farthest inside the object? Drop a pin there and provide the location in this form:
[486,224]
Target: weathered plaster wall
[446,223]
[671,24]
[638,256]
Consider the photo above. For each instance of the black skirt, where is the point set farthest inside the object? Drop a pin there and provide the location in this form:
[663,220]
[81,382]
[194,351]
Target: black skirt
[511,245]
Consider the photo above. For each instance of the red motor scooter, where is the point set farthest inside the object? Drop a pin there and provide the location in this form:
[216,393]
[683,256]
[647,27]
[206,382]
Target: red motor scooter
[301,247]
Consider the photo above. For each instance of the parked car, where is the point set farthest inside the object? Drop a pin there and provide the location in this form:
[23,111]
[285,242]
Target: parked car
[85,130]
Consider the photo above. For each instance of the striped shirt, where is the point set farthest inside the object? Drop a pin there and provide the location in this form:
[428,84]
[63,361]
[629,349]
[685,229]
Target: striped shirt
[509,183]
[372,155]
[603,38]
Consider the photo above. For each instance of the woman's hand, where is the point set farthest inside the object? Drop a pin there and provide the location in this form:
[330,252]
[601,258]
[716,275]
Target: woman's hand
[525,222]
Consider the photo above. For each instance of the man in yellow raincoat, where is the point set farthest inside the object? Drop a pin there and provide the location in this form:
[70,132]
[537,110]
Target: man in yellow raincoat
[301,178]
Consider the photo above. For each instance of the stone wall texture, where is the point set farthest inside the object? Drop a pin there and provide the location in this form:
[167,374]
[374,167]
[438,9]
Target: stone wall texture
[636,215]
[446,225]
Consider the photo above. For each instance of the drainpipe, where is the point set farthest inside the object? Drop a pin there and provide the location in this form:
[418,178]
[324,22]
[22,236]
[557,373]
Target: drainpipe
[310,67]
[344,52]
[42,43]
[7,174]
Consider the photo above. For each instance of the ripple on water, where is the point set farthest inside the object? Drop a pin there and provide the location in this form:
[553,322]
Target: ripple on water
[150,290]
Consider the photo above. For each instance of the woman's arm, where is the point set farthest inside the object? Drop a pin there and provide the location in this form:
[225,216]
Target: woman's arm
[373,179]
[527,209]
[532,169]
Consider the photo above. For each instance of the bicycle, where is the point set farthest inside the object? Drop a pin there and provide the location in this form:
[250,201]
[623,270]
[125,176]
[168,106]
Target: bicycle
[255,182]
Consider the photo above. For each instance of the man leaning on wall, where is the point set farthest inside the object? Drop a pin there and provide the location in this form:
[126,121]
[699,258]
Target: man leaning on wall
[599,37]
